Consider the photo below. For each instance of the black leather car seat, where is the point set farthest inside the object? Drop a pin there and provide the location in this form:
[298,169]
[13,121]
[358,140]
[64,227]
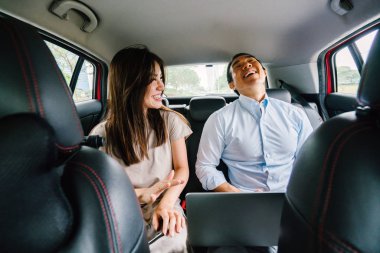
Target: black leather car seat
[56,196]
[333,197]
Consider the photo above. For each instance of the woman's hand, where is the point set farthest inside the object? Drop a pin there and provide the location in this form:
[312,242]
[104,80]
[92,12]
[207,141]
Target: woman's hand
[172,220]
[149,195]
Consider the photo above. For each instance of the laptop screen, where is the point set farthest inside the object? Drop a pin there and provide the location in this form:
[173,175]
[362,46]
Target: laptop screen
[234,219]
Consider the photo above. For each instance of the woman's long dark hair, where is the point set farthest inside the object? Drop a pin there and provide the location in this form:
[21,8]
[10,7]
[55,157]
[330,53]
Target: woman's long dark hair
[131,72]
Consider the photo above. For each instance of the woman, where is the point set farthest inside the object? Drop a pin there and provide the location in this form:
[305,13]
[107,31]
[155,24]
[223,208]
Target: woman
[148,139]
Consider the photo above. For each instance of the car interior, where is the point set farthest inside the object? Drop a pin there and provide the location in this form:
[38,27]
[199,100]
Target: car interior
[61,194]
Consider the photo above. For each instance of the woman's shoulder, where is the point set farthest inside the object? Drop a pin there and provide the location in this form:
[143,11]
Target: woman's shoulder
[172,116]
[99,129]
[176,124]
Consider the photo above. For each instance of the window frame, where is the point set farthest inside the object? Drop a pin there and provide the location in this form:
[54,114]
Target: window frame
[99,89]
[325,64]
[330,68]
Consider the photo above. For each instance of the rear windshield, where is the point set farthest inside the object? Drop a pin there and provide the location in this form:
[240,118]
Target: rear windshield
[196,80]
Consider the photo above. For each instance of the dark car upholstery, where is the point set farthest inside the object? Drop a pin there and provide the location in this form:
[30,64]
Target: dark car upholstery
[55,194]
[332,201]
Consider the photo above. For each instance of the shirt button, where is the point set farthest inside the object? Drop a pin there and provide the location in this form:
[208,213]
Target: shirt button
[267,155]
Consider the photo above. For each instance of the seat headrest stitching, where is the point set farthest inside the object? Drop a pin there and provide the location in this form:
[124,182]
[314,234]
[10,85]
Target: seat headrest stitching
[332,245]
[324,168]
[330,179]
[22,66]
[102,206]
[107,198]
[68,93]
[343,244]
[67,148]
[33,74]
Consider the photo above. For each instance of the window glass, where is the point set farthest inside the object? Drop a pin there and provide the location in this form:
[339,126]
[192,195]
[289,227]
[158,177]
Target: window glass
[364,44]
[348,76]
[66,60]
[195,80]
[85,82]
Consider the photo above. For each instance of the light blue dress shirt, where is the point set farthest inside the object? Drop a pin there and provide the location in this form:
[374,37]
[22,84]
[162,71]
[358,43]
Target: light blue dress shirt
[257,141]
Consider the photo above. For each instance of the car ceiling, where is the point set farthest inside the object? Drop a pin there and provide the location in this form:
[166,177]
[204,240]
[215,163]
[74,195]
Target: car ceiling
[281,33]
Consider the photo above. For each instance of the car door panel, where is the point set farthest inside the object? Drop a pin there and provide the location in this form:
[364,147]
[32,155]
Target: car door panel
[337,103]
[89,114]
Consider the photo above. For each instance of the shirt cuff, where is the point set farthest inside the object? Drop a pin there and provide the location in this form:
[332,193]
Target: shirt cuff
[214,181]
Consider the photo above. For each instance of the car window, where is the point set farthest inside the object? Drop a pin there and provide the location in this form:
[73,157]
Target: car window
[348,59]
[348,75]
[195,80]
[80,82]
[84,85]
[364,44]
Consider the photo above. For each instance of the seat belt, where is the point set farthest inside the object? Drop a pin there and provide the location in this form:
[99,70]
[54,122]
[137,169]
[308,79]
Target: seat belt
[314,117]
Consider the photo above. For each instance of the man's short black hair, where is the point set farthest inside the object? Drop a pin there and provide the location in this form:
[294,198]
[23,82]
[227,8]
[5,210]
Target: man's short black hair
[229,74]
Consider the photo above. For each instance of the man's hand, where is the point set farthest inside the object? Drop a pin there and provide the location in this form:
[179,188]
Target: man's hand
[149,195]
[226,187]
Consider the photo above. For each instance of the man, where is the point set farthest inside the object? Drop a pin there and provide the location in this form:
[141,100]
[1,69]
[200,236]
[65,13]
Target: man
[257,137]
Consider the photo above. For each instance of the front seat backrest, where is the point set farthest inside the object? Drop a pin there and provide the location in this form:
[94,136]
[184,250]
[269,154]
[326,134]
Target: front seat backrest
[56,196]
[333,197]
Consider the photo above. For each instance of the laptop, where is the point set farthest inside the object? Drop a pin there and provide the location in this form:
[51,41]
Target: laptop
[234,219]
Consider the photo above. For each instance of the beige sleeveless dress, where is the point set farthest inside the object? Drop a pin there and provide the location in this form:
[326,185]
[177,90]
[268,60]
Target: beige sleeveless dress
[156,168]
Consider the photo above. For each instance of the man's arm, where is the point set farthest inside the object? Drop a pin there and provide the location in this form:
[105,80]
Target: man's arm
[305,130]
[210,150]
[226,187]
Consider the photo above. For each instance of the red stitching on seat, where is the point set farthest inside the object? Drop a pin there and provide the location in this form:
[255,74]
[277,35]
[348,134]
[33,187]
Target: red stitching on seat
[108,200]
[103,208]
[67,149]
[331,178]
[34,79]
[333,247]
[343,243]
[23,71]
[71,101]
[59,74]
[324,168]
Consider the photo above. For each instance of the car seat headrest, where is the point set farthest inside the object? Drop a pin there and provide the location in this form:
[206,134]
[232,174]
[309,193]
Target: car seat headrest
[280,94]
[202,107]
[32,82]
[369,87]
[33,208]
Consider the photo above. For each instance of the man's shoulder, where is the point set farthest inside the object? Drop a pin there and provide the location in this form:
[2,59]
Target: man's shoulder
[293,111]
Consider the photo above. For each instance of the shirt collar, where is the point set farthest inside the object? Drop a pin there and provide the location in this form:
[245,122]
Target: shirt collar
[251,104]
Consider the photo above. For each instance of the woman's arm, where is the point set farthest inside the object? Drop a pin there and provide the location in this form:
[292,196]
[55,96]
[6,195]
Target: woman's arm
[172,220]
[181,169]
[150,194]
